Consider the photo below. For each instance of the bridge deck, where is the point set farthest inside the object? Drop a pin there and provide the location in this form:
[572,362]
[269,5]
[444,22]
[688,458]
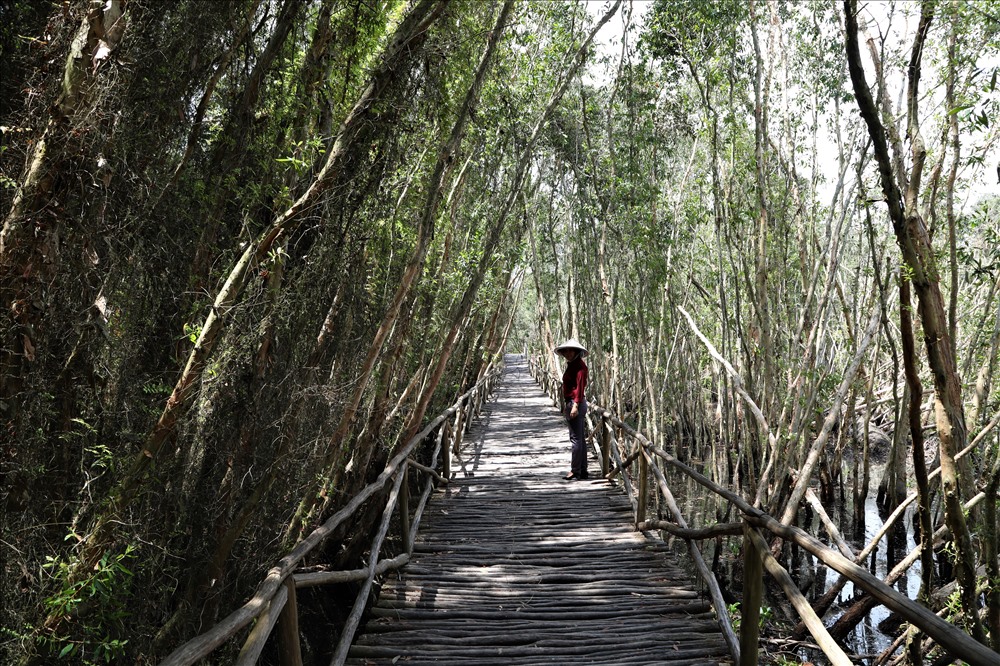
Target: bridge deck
[516,566]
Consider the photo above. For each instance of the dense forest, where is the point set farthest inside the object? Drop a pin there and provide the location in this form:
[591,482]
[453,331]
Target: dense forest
[249,246]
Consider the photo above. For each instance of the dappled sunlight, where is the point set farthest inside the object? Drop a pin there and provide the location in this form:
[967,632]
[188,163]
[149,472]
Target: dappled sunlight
[514,564]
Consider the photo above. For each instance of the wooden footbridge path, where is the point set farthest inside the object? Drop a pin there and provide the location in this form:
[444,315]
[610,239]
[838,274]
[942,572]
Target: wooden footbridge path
[514,565]
[511,564]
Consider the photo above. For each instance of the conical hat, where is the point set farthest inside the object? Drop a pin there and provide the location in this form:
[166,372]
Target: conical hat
[572,343]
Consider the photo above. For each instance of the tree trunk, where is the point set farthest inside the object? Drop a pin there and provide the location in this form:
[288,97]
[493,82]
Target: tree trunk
[917,441]
[397,53]
[425,231]
[914,241]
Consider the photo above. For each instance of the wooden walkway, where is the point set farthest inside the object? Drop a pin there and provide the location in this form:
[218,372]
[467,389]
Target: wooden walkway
[514,565]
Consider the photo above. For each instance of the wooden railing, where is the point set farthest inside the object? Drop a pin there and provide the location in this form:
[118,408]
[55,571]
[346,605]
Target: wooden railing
[609,433]
[274,604]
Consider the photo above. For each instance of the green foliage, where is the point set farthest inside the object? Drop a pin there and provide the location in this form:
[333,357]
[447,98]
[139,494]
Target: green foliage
[300,149]
[781,660]
[97,605]
[192,332]
[684,30]
[736,615]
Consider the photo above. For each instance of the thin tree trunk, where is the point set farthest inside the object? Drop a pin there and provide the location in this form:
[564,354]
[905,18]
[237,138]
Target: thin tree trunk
[763,221]
[425,231]
[991,546]
[545,332]
[460,312]
[984,378]
[917,441]
[911,234]
[397,52]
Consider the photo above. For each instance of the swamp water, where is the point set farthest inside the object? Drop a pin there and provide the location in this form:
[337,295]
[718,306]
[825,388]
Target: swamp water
[873,634]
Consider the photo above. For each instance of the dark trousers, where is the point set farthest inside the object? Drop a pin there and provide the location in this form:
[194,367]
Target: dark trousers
[578,438]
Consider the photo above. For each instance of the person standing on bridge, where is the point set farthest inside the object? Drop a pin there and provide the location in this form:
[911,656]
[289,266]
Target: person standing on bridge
[574,383]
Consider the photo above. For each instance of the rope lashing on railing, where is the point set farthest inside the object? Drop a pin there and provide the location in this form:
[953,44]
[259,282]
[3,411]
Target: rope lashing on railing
[270,589]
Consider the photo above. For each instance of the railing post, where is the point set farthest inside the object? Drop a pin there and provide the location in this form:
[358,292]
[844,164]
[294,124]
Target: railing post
[404,509]
[640,510]
[603,425]
[459,429]
[446,450]
[289,651]
[254,644]
[753,587]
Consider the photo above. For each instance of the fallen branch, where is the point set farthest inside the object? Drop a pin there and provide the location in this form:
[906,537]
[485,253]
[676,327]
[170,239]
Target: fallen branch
[826,643]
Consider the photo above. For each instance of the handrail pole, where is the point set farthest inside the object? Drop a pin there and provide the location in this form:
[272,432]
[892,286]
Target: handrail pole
[640,511]
[204,644]
[254,644]
[605,445]
[753,588]
[289,649]
[404,510]
[446,450]
[361,600]
[626,483]
[714,591]
[458,430]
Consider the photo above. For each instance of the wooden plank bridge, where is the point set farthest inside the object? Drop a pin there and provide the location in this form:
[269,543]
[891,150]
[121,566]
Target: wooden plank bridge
[514,565]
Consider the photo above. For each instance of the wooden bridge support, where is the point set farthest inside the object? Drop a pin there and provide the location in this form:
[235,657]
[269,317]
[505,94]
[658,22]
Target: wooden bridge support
[289,650]
[458,431]
[254,644]
[753,591]
[605,441]
[273,606]
[444,444]
[640,510]
[404,510]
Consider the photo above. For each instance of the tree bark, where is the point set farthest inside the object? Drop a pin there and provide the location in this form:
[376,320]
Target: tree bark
[917,440]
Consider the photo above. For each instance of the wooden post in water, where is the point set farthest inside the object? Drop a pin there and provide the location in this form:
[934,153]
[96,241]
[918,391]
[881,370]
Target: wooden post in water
[289,651]
[640,511]
[404,509]
[753,588]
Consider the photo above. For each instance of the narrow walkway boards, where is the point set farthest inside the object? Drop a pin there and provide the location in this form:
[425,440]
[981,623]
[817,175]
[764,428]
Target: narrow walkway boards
[516,566]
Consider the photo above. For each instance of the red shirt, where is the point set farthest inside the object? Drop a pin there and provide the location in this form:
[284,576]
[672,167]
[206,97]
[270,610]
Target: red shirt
[575,380]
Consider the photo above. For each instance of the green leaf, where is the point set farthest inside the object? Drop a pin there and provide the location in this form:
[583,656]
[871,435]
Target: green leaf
[957,109]
[67,650]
